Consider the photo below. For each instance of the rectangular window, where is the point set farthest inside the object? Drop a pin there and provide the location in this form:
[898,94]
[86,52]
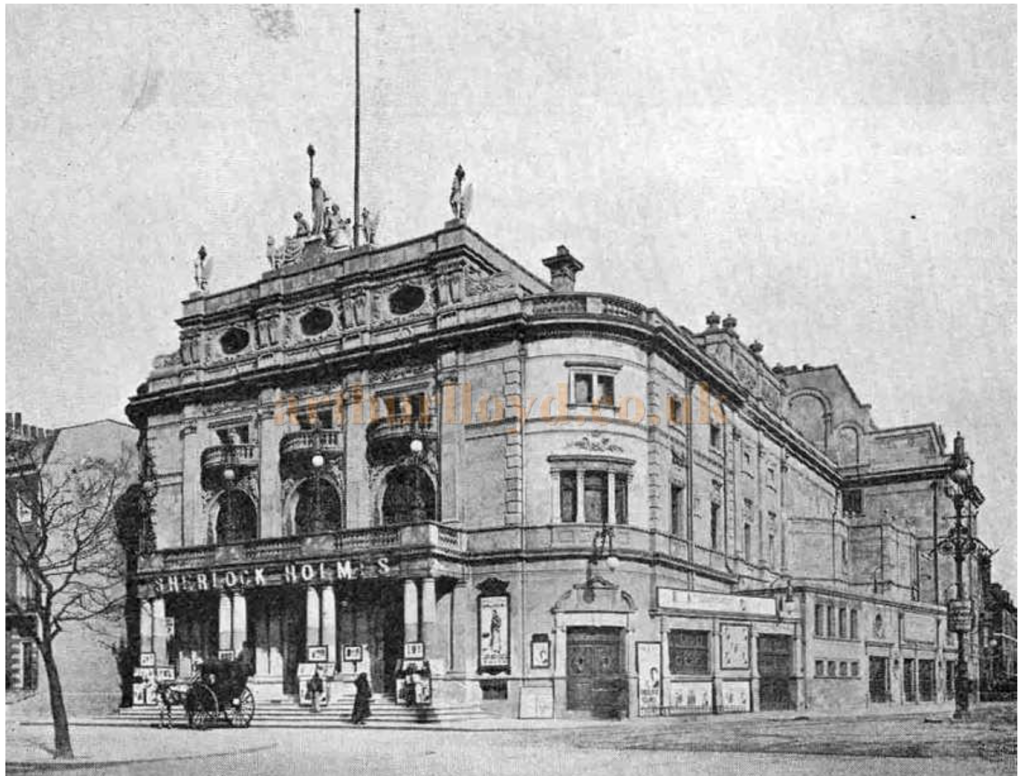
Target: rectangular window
[771,549]
[746,541]
[831,667]
[606,390]
[582,388]
[852,501]
[819,619]
[843,669]
[595,497]
[844,555]
[715,508]
[842,623]
[234,435]
[819,667]
[854,625]
[676,411]
[621,499]
[831,622]
[567,496]
[678,519]
[688,652]
[854,668]
[715,436]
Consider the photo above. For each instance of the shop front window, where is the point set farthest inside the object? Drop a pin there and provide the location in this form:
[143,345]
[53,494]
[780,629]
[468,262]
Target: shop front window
[688,652]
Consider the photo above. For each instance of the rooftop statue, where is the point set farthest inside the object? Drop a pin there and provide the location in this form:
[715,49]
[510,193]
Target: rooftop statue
[301,224]
[335,227]
[202,268]
[370,221]
[460,200]
[319,197]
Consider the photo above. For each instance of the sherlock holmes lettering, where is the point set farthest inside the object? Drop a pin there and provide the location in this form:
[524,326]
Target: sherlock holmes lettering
[260,576]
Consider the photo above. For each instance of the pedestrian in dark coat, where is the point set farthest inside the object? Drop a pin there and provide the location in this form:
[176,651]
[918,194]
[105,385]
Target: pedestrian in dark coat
[361,707]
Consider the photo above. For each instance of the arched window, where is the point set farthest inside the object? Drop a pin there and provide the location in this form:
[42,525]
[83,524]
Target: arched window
[236,517]
[318,509]
[408,496]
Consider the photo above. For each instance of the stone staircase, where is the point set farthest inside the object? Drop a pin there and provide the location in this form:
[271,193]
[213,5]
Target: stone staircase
[287,713]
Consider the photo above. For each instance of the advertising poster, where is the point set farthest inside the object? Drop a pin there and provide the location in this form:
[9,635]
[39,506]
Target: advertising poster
[648,668]
[494,636]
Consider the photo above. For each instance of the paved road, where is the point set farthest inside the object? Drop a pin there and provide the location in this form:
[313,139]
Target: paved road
[412,753]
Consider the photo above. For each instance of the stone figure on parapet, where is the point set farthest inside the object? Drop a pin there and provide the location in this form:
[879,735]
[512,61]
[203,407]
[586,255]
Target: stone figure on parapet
[319,198]
[336,227]
[202,268]
[370,222]
[460,199]
[301,224]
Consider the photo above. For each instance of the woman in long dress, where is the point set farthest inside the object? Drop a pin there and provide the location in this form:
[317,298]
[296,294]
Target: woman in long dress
[361,707]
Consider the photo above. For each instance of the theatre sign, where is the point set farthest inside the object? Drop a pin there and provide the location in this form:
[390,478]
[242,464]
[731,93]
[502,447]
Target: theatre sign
[262,576]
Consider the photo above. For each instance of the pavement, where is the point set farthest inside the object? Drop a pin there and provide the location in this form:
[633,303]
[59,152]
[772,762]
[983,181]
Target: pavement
[898,742]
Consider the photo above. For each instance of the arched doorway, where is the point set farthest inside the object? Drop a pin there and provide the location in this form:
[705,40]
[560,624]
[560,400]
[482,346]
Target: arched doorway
[408,496]
[318,508]
[236,517]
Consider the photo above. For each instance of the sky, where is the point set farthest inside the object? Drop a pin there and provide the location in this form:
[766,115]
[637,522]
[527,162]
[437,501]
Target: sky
[841,179]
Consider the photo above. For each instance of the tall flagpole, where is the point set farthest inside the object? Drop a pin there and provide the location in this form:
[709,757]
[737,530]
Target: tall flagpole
[355,176]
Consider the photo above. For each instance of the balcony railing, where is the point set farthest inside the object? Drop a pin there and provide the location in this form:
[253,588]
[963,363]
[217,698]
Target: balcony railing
[284,549]
[216,459]
[305,443]
[392,436]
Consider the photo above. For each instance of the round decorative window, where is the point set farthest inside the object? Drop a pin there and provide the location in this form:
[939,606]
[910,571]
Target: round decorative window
[316,321]
[234,341]
[406,300]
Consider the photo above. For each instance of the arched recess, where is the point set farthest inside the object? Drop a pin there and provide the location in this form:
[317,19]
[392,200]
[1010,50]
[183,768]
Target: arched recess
[810,411]
[317,507]
[847,445]
[409,496]
[236,517]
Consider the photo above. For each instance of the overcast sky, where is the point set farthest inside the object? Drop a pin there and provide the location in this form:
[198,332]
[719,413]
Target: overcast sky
[841,179]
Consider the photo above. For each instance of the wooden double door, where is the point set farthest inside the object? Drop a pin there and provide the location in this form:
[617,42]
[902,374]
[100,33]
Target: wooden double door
[775,667]
[596,671]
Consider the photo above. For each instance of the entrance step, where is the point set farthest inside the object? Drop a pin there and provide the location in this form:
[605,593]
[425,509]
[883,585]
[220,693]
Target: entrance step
[289,713]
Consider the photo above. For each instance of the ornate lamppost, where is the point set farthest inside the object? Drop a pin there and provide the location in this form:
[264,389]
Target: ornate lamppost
[961,544]
[603,539]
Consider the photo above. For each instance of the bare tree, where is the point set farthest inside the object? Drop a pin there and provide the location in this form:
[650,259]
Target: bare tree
[63,534]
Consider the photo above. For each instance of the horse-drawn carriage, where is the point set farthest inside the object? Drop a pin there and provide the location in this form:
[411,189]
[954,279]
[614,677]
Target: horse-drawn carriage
[217,690]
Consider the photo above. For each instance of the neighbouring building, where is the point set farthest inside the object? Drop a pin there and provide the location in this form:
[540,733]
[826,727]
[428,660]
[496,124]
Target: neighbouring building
[564,500]
[998,636]
[38,458]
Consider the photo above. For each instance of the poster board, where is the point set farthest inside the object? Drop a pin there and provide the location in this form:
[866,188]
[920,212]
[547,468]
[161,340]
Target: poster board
[493,633]
[648,670]
[690,697]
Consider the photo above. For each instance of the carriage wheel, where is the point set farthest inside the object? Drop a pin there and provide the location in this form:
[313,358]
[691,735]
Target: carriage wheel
[242,709]
[201,707]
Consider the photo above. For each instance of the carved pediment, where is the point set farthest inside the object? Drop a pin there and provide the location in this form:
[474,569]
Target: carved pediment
[597,595]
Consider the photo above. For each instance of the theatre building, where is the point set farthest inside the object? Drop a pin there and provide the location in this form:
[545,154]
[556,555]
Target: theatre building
[562,499]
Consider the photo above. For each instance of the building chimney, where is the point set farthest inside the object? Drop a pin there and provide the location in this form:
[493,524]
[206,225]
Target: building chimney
[563,267]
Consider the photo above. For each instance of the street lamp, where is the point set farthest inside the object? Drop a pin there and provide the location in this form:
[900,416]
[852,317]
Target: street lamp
[603,540]
[959,543]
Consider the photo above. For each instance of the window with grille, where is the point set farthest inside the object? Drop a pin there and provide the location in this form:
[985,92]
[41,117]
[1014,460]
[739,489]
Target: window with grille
[688,652]
[715,509]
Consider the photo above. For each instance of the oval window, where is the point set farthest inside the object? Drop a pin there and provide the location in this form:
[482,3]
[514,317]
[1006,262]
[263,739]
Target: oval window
[406,299]
[316,321]
[234,341]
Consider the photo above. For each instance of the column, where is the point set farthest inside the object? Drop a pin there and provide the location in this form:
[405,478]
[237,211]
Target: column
[160,631]
[428,627]
[224,622]
[328,618]
[411,615]
[146,626]
[239,622]
[581,512]
[312,618]
[462,636]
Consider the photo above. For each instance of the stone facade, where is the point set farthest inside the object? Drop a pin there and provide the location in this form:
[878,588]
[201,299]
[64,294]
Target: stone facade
[600,510]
